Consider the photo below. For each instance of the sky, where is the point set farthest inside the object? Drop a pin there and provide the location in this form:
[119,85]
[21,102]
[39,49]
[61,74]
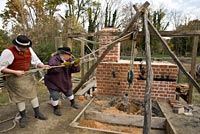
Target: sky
[190,8]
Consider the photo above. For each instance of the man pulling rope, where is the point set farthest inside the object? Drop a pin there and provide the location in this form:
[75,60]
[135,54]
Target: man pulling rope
[16,60]
[59,79]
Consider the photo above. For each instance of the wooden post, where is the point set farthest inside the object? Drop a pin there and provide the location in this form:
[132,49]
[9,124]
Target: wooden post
[82,55]
[176,60]
[179,75]
[147,97]
[69,40]
[88,64]
[58,42]
[193,66]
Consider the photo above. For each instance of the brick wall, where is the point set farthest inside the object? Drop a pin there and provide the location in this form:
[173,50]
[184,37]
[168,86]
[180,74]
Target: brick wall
[112,72]
[163,86]
[106,36]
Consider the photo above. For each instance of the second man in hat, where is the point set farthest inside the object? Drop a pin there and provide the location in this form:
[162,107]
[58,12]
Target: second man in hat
[59,79]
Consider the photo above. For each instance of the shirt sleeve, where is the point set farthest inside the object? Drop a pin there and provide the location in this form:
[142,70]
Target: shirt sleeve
[6,59]
[34,58]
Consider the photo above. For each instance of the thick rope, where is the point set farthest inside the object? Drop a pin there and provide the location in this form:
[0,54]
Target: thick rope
[32,71]
[130,76]
[131,68]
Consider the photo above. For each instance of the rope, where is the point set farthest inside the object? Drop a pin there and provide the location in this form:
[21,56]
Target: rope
[130,76]
[85,40]
[14,120]
[131,69]
[105,46]
[40,69]
[34,70]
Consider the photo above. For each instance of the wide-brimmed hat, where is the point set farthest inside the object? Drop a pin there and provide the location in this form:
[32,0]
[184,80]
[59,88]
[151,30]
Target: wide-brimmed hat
[22,41]
[64,50]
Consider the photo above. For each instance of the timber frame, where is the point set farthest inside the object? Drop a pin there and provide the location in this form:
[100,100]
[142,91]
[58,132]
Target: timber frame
[141,12]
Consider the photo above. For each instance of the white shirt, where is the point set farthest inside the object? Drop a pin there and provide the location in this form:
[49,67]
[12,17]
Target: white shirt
[7,58]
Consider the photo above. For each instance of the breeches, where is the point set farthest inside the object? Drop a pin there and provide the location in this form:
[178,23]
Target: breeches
[54,94]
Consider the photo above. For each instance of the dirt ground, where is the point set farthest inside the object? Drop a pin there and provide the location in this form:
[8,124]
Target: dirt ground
[182,123]
[60,124]
[54,124]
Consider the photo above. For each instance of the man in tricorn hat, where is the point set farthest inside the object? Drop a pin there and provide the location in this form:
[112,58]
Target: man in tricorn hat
[59,79]
[16,60]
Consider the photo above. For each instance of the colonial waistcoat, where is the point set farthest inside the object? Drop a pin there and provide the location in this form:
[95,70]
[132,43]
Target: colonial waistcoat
[21,61]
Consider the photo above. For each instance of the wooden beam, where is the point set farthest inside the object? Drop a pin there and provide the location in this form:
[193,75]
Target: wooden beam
[176,60]
[124,119]
[85,40]
[76,35]
[185,33]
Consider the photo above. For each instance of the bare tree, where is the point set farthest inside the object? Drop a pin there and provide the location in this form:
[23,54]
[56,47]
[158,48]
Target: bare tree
[176,19]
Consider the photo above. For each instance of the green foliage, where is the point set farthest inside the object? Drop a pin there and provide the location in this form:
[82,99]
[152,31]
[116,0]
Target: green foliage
[51,6]
[5,41]
[195,96]
[182,45]
[44,51]
[4,98]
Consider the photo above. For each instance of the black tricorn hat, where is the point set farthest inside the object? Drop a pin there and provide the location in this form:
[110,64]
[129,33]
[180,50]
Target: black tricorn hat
[64,50]
[22,41]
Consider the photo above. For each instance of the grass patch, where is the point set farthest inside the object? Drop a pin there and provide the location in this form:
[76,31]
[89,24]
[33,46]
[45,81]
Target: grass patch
[4,98]
[195,96]
[42,89]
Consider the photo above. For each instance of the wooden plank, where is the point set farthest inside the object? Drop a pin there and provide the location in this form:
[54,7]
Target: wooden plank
[102,131]
[87,88]
[123,119]
[79,115]
[169,115]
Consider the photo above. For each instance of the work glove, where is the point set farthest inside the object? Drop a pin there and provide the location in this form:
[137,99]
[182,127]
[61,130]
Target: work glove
[67,63]
[76,62]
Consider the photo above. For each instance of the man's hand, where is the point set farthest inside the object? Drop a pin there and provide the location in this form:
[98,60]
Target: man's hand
[41,65]
[76,62]
[46,67]
[19,73]
[67,63]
